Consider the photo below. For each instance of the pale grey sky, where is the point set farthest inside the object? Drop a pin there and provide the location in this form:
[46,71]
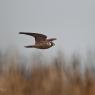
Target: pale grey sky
[72,22]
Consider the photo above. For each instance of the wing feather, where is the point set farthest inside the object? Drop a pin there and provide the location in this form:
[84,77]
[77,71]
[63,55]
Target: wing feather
[38,37]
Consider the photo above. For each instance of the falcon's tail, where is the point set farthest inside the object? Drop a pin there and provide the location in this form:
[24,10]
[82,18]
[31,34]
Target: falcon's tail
[29,46]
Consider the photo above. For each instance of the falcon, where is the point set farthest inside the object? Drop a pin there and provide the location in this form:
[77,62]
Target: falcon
[41,41]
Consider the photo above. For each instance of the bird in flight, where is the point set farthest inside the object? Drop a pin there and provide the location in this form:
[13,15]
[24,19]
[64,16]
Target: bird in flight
[41,41]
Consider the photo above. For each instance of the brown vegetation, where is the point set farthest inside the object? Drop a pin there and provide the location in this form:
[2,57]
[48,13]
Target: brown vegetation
[58,78]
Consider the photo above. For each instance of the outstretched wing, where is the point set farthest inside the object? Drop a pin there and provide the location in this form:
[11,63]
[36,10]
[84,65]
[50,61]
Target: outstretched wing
[52,39]
[38,37]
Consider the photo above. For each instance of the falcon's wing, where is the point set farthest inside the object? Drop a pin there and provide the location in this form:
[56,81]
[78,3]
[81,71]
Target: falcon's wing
[38,37]
[52,39]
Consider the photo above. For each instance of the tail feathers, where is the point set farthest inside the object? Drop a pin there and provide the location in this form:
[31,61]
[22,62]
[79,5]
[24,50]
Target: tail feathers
[29,46]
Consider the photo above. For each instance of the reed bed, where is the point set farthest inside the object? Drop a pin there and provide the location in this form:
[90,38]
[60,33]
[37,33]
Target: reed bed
[60,77]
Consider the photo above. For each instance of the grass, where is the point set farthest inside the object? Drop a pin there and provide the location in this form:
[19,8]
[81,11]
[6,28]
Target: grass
[60,77]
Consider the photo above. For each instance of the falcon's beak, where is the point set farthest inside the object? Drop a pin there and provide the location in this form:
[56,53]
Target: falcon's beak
[53,44]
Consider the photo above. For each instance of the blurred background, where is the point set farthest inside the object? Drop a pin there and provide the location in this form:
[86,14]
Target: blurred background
[68,68]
